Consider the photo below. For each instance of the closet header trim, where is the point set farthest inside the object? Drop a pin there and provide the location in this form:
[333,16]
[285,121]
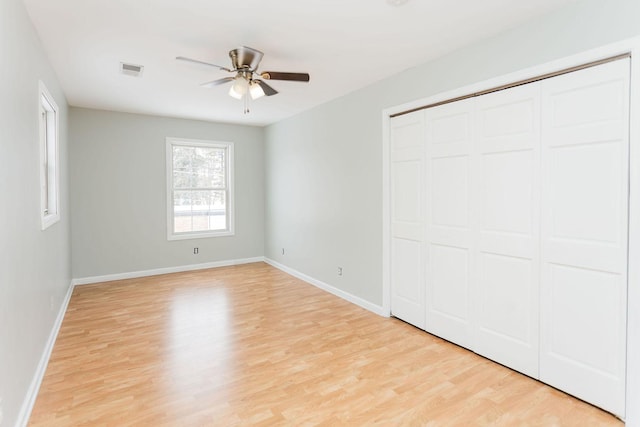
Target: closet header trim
[518,83]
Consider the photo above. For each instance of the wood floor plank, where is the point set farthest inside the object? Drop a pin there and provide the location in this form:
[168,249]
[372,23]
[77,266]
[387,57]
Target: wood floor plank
[251,345]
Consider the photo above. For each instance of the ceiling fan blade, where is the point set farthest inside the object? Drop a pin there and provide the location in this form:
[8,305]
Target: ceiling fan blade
[277,75]
[182,58]
[268,90]
[217,82]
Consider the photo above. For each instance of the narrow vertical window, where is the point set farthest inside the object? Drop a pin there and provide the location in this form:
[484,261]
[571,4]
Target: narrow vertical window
[199,189]
[49,171]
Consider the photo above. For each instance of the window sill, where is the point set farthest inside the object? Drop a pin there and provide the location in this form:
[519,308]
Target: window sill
[49,220]
[202,235]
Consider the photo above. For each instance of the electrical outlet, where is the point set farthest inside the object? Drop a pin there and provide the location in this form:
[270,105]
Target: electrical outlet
[195,251]
[339,271]
[51,303]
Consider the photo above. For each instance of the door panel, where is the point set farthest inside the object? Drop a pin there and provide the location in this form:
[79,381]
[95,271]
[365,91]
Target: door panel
[406,188]
[505,280]
[449,202]
[407,218]
[588,201]
[450,275]
[584,233]
[576,327]
[407,272]
[449,229]
[508,204]
[506,293]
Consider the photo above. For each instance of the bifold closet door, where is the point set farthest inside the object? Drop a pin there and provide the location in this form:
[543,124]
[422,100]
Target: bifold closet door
[507,187]
[450,221]
[407,219]
[510,227]
[585,133]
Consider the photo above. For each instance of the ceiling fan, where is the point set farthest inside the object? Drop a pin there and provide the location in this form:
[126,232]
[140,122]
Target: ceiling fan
[248,82]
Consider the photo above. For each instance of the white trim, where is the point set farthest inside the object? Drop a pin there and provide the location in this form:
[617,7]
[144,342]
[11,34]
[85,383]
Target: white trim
[386,216]
[328,288]
[633,273]
[164,270]
[631,46]
[229,172]
[36,381]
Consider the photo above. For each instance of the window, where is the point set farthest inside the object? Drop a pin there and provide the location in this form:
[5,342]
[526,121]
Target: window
[49,175]
[199,189]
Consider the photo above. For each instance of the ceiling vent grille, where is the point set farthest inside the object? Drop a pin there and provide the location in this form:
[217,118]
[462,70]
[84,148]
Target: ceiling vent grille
[131,69]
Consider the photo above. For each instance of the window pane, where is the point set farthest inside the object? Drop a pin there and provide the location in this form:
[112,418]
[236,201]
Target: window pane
[182,166]
[199,211]
[181,211]
[209,167]
[198,167]
[218,171]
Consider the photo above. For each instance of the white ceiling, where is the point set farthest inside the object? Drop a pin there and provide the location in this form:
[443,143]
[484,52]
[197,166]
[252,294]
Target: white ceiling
[344,45]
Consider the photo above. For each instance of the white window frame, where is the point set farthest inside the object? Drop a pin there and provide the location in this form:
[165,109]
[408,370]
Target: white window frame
[49,158]
[228,146]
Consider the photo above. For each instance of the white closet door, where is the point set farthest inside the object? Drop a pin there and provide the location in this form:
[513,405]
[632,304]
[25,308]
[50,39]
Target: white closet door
[407,219]
[506,302]
[584,233]
[449,235]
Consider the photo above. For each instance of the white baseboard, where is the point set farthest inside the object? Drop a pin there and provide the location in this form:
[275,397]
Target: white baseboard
[164,270]
[331,289]
[36,381]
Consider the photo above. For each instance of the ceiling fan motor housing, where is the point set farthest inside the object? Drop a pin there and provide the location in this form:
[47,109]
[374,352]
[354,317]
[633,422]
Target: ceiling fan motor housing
[245,57]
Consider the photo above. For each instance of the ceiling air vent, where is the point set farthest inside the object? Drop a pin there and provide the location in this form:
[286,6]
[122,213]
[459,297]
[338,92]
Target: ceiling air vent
[131,69]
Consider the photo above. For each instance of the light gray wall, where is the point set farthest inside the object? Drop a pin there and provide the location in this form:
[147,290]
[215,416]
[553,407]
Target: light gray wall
[34,264]
[323,167]
[118,193]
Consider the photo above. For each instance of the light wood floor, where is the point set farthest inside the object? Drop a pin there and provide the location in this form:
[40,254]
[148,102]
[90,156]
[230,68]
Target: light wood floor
[250,345]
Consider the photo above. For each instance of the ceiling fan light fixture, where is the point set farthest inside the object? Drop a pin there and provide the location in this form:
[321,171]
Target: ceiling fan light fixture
[239,88]
[255,90]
